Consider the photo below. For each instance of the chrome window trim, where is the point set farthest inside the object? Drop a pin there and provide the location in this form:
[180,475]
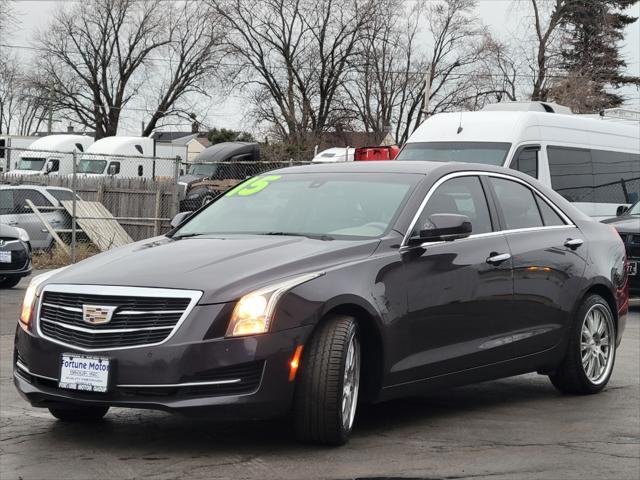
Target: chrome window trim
[111,290]
[471,173]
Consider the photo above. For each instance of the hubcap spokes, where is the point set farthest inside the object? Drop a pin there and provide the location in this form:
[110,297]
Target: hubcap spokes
[595,344]
[350,384]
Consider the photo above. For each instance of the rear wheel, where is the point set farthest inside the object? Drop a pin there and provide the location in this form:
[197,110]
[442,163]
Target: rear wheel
[329,382]
[9,282]
[79,413]
[591,351]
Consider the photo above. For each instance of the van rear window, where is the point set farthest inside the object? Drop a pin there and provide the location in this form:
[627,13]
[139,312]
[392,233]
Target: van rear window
[488,153]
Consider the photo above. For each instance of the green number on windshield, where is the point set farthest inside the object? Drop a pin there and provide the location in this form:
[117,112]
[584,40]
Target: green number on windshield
[254,186]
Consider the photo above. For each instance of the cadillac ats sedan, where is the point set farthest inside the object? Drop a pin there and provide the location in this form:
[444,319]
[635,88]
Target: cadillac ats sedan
[308,290]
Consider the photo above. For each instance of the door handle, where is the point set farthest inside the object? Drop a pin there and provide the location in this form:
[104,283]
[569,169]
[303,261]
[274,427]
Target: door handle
[573,243]
[12,222]
[498,258]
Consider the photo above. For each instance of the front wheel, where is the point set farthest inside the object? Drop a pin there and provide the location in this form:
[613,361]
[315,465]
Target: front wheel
[329,382]
[591,351]
[79,413]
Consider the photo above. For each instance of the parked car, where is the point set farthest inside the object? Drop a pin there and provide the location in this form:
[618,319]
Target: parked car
[309,289]
[15,255]
[15,212]
[592,162]
[335,155]
[628,224]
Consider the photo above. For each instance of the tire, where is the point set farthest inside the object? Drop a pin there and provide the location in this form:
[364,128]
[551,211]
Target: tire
[328,383]
[208,198]
[77,413]
[588,362]
[9,282]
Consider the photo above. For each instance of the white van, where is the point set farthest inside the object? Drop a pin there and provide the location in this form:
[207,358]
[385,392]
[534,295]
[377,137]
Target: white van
[126,157]
[51,155]
[591,161]
[335,154]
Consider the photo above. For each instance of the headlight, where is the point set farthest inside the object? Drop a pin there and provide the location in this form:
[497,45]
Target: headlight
[253,312]
[22,234]
[31,297]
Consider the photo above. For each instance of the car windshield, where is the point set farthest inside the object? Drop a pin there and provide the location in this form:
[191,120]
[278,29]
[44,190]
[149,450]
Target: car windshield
[488,153]
[206,169]
[60,194]
[327,206]
[31,163]
[635,209]
[91,166]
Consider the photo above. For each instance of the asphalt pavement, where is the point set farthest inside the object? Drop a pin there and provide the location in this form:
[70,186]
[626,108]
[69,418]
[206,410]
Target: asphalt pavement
[516,428]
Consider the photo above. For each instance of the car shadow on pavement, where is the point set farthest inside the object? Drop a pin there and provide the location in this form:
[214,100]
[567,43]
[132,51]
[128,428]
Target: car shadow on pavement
[136,433]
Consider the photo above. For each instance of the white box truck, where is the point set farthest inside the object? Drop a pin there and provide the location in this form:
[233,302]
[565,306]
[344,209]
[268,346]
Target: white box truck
[50,155]
[125,157]
[591,160]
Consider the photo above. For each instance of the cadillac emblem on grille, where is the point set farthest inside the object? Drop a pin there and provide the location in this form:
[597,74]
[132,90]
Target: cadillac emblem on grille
[97,315]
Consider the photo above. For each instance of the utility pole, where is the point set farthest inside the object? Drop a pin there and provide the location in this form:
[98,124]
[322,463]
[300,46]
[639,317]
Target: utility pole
[426,92]
[50,108]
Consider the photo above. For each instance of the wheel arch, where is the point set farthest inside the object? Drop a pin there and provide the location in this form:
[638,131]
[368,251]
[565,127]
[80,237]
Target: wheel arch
[369,329]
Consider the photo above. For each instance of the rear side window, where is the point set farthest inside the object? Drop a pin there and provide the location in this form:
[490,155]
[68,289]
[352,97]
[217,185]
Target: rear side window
[549,216]
[517,203]
[60,195]
[598,176]
[6,202]
[462,196]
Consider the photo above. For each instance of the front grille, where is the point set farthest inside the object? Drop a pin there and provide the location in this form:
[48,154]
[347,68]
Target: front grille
[136,321]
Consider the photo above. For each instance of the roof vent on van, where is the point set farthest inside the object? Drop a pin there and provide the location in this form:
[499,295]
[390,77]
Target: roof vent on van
[527,107]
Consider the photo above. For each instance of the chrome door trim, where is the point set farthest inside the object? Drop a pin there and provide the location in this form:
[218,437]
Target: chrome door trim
[193,295]
[470,173]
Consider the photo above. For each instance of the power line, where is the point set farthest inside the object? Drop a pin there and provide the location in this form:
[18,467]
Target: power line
[276,67]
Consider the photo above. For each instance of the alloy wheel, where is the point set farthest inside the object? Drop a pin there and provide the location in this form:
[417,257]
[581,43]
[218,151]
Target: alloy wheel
[351,383]
[597,344]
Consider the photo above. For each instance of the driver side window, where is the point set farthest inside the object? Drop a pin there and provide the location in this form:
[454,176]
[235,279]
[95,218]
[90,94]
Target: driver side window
[462,196]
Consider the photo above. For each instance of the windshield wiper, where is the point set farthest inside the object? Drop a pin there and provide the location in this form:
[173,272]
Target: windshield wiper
[293,234]
[187,235]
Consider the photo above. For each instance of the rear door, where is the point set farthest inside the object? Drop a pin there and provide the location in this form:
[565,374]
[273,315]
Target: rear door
[548,255]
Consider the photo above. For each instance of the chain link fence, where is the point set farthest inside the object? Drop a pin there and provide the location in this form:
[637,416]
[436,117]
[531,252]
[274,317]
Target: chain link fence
[74,205]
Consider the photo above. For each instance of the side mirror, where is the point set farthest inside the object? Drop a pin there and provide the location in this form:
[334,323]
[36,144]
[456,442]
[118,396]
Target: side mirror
[112,170]
[49,167]
[621,209]
[179,219]
[444,227]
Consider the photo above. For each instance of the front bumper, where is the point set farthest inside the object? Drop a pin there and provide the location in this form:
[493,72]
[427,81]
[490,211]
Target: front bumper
[181,375]
[20,265]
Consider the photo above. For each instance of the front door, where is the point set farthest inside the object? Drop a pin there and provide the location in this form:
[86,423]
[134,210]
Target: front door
[459,292]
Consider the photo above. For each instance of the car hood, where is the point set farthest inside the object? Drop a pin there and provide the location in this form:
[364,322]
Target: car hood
[223,267]
[628,224]
[189,179]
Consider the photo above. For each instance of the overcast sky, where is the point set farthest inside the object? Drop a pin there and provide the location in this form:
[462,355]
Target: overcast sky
[504,17]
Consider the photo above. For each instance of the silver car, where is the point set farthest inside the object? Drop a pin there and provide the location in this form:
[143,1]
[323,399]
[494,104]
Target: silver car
[15,212]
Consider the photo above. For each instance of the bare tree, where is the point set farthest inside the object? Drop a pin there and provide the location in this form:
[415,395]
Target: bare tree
[547,18]
[98,58]
[293,57]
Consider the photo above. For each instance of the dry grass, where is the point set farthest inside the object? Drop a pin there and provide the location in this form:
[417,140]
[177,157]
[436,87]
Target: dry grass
[58,258]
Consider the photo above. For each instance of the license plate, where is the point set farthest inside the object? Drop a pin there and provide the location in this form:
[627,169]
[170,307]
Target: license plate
[632,268]
[82,372]
[5,257]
